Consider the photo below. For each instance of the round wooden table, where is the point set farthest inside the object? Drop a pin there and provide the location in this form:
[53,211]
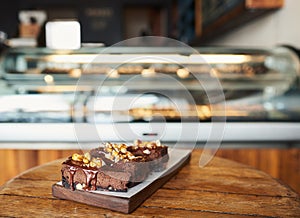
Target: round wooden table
[222,188]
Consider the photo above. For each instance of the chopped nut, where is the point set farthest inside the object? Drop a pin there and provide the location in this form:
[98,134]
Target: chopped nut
[117,158]
[109,149]
[146,151]
[77,157]
[93,164]
[129,154]
[131,157]
[87,155]
[135,147]
[123,150]
[115,148]
[108,156]
[149,145]
[142,144]
[97,161]
[79,186]
[108,145]
[114,153]
[85,160]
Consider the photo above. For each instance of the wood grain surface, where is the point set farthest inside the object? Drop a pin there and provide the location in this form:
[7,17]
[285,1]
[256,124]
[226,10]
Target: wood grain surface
[222,188]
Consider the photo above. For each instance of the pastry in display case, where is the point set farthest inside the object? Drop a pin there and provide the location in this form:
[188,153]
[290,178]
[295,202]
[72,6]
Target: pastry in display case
[150,84]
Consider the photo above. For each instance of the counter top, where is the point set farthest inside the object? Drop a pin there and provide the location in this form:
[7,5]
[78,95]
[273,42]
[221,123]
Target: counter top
[222,188]
[63,133]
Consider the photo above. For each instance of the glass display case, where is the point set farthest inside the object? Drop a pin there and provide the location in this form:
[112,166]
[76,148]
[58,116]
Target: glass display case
[138,86]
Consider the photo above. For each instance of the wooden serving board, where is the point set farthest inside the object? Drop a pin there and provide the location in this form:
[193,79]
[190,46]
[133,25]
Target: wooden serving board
[118,203]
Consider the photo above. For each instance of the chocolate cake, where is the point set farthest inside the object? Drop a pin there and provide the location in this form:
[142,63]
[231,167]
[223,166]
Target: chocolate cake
[114,167]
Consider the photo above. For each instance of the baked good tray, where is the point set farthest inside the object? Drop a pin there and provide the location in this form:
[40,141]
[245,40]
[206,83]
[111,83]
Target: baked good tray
[127,202]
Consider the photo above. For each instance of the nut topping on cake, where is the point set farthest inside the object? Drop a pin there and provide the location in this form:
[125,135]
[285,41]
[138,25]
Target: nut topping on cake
[86,160]
[146,144]
[117,152]
[77,157]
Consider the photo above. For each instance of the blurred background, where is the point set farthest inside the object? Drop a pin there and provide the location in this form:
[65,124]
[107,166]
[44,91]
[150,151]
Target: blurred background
[196,22]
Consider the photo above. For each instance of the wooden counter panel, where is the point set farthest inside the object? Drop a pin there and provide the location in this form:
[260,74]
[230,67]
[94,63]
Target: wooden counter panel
[264,4]
[283,164]
[17,161]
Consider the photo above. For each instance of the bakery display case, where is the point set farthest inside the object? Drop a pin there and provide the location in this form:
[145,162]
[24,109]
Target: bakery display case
[153,90]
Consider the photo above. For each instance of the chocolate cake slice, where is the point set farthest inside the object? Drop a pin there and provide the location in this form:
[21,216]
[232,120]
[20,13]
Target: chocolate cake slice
[154,153]
[114,167]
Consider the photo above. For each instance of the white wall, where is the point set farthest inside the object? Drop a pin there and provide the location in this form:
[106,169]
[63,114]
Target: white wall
[279,27]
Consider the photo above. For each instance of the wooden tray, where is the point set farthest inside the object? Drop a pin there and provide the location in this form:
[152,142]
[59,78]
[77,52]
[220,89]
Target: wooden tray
[128,204]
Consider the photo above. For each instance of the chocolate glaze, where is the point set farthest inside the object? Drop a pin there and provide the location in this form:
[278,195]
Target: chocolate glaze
[91,174]
[71,171]
[91,179]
